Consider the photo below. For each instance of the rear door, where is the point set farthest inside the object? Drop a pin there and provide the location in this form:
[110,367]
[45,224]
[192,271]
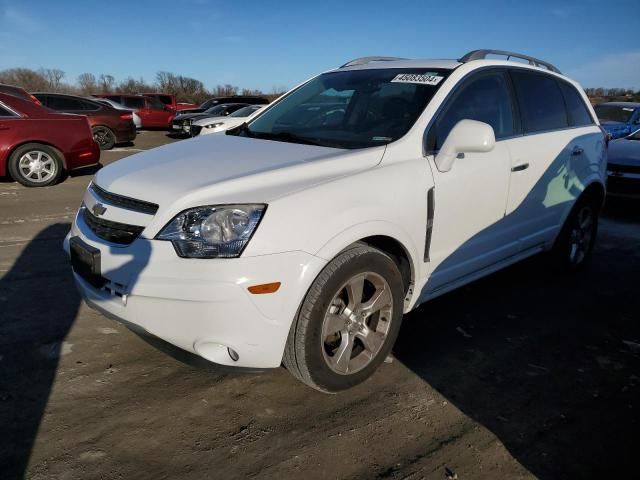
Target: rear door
[470,199]
[547,160]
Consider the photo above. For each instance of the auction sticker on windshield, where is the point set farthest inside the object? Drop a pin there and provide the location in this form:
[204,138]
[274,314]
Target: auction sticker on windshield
[428,78]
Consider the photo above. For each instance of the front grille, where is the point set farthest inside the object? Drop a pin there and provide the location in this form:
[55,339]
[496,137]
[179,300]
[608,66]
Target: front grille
[124,202]
[614,167]
[113,232]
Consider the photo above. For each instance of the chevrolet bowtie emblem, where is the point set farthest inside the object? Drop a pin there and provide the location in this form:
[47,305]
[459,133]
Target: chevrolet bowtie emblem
[98,209]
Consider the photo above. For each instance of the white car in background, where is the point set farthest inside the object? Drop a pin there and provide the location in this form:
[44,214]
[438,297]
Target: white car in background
[137,121]
[220,124]
[303,235]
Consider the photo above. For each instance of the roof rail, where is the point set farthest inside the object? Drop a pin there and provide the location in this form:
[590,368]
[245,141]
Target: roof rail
[365,60]
[480,54]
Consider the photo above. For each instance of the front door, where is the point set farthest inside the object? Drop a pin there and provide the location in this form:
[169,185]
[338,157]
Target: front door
[470,199]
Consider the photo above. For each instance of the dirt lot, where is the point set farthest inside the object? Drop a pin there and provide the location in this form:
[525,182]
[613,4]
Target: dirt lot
[524,374]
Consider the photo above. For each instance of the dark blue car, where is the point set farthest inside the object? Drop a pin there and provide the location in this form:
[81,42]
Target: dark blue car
[619,118]
[624,166]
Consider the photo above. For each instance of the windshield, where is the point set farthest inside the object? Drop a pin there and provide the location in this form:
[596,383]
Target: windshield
[244,112]
[217,110]
[349,109]
[613,113]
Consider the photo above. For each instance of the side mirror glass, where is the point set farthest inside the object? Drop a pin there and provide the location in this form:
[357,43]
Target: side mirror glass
[468,136]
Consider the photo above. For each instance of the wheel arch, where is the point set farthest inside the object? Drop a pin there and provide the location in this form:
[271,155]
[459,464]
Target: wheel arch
[595,190]
[385,237]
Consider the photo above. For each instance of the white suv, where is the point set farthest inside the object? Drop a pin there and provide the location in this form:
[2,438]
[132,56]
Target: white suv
[303,236]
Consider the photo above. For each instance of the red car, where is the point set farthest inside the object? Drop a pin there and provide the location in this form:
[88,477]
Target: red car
[171,101]
[38,145]
[18,92]
[109,126]
[152,112]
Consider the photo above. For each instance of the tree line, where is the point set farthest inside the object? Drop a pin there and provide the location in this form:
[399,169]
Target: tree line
[186,89]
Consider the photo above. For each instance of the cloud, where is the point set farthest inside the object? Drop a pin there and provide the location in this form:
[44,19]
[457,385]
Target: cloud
[612,70]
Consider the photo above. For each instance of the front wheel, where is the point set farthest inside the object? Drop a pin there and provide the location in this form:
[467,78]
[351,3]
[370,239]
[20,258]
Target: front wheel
[576,240]
[348,321]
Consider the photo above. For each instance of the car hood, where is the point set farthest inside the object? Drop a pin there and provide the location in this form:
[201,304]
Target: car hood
[624,152]
[229,169]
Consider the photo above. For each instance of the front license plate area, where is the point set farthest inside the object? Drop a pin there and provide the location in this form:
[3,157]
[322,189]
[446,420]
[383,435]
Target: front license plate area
[85,261]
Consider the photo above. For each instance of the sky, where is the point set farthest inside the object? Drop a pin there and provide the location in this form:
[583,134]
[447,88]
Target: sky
[274,44]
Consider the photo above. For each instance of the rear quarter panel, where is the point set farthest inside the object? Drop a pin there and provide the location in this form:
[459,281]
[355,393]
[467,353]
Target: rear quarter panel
[70,136]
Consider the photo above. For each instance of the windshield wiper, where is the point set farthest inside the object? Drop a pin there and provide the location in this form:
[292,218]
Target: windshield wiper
[286,137]
[241,129]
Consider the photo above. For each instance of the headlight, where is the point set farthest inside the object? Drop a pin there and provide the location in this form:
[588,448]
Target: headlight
[214,125]
[213,232]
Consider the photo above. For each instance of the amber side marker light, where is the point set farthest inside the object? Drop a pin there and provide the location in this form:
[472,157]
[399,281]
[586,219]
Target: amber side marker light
[264,288]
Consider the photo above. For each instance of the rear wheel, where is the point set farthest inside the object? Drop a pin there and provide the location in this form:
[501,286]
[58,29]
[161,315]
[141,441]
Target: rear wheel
[104,137]
[577,238]
[35,165]
[348,322]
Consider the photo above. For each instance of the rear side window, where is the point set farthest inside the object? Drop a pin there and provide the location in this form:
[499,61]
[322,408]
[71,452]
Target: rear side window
[541,102]
[485,98]
[90,106]
[576,109]
[166,99]
[133,102]
[65,103]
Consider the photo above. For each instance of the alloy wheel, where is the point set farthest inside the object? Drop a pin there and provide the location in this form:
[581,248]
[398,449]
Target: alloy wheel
[37,166]
[581,235]
[357,323]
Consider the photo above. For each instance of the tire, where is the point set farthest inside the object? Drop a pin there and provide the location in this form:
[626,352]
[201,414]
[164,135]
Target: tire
[574,245]
[335,341]
[104,137]
[36,165]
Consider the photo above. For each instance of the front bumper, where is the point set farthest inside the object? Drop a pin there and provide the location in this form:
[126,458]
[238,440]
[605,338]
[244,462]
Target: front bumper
[181,127]
[201,306]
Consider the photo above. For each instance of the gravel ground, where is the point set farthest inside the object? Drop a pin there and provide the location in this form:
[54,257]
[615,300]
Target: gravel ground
[523,374]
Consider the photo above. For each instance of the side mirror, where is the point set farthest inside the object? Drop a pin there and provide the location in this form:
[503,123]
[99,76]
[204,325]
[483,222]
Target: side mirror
[468,136]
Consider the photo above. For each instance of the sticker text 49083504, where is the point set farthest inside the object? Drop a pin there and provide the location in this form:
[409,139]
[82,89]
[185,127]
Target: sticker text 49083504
[428,78]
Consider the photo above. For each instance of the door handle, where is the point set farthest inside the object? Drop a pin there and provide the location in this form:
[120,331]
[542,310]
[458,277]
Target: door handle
[519,168]
[3,127]
[577,151]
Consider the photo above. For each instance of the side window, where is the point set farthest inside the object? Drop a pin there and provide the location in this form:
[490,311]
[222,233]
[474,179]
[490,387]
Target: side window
[485,98]
[64,103]
[578,113]
[154,103]
[540,100]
